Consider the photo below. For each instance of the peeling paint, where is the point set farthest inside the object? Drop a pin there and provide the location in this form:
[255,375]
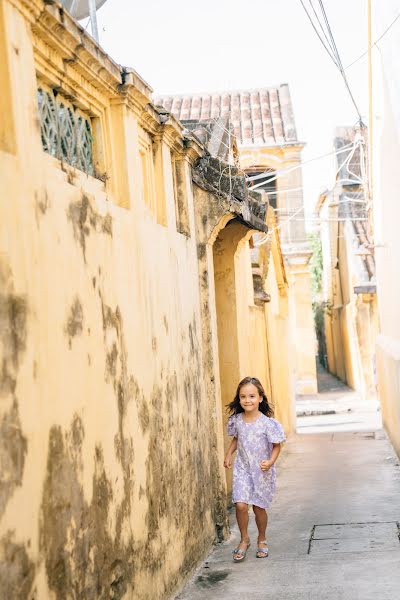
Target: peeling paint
[13,336]
[111,363]
[82,560]
[17,571]
[85,220]
[165,321]
[74,324]
[13,316]
[13,447]
[42,204]
[117,374]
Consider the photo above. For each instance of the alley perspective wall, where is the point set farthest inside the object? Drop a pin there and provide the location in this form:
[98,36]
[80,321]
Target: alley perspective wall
[112,414]
[386,211]
[269,152]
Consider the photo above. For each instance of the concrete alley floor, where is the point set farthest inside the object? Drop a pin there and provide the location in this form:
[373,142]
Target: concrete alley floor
[336,408]
[334,523]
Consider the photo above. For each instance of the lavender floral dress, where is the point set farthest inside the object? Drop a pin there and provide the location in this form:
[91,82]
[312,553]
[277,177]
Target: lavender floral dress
[250,484]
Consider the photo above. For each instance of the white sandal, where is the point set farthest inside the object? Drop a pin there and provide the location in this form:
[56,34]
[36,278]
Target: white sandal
[241,553]
[260,550]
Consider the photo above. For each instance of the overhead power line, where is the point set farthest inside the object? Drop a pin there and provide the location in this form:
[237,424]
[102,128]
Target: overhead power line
[328,50]
[276,174]
[374,43]
[331,48]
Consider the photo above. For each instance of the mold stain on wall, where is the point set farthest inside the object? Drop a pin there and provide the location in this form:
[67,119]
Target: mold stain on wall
[16,569]
[85,220]
[74,323]
[13,448]
[13,335]
[83,561]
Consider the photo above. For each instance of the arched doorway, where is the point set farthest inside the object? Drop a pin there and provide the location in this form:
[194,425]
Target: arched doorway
[234,292]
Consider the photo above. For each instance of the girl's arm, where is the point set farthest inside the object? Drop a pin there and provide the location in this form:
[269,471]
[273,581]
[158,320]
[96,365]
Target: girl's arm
[231,450]
[267,464]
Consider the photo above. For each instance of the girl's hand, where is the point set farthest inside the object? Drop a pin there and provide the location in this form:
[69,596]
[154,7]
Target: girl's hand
[265,465]
[228,461]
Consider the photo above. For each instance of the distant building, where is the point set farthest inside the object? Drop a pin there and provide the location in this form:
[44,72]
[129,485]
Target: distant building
[349,280]
[270,155]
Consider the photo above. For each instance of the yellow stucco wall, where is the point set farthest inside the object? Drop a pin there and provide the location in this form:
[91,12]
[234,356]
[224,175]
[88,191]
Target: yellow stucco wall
[351,322]
[386,210]
[295,250]
[252,340]
[112,312]
[108,437]
[303,328]
[281,366]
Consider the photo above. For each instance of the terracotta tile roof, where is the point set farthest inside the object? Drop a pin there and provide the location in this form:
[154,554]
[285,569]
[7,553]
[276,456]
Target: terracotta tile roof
[259,117]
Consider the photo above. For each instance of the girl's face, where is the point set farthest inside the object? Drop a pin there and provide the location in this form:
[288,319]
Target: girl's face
[249,398]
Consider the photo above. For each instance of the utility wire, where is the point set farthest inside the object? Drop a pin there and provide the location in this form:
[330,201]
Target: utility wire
[318,34]
[332,50]
[374,43]
[341,68]
[321,27]
[295,216]
[276,174]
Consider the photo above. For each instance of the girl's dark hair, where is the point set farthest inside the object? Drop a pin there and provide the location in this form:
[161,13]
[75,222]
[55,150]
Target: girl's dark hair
[265,407]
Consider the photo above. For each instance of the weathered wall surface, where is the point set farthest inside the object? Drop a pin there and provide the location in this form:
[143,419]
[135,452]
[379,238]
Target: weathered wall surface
[106,448]
[351,321]
[111,345]
[280,343]
[386,209]
[295,249]
[249,339]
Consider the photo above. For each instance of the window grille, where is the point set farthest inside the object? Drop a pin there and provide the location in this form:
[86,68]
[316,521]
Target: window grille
[66,133]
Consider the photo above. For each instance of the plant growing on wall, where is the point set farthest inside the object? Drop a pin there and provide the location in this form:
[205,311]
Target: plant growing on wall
[316,265]
[319,306]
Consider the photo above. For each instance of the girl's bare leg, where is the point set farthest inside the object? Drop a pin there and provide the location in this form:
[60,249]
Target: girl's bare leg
[261,522]
[242,517]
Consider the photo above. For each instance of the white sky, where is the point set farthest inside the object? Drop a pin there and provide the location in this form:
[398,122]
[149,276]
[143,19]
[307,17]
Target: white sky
[210,45]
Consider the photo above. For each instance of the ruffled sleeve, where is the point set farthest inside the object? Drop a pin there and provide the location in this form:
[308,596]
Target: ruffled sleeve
[275,432]
[232,426]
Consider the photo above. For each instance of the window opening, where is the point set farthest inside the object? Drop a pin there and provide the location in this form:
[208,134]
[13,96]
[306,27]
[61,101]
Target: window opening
[66,133]
[267,183]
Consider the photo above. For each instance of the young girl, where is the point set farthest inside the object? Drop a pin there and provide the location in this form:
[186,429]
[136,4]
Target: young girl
[257,438]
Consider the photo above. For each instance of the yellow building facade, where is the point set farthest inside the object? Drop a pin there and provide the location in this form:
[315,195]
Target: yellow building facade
[119,247]
[348,287]
[385,137]
[285,162]
[270,155]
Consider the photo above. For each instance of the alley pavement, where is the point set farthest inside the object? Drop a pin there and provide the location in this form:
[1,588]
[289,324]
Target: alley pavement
[334,523]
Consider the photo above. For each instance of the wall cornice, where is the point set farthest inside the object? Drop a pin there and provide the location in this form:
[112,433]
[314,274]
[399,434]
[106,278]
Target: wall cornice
[65,45]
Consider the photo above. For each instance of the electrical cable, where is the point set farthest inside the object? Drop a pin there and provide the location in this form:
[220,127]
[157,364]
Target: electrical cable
[355,144]
[318,34]
[332,50]
[340,64]
[268,235]
[277,174]
[350,153]
[374,43]
[321,27]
